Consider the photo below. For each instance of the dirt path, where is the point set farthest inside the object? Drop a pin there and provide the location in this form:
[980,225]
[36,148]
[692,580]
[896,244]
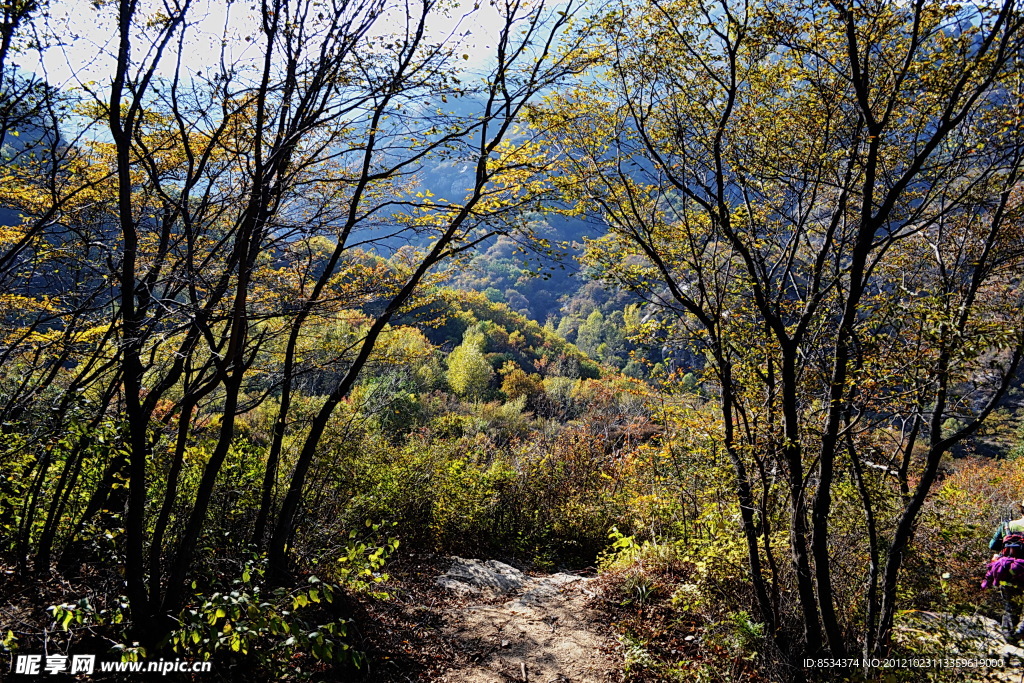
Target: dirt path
[514,627]
[974,640]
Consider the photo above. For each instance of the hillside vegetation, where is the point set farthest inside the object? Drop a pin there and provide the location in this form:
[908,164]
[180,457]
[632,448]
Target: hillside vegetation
[719,300]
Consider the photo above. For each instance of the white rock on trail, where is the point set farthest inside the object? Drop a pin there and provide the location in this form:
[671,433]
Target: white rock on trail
[475,577]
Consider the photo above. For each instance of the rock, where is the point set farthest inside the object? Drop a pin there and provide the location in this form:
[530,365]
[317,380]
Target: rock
[544,589]
[540,629]
[474,577]
[966,636]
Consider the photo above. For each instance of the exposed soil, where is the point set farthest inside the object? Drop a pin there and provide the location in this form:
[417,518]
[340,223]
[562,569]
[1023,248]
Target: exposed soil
[492,624]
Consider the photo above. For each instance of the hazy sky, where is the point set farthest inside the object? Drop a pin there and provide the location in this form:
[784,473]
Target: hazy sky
[87,40]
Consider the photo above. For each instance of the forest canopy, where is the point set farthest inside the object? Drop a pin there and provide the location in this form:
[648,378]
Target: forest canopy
[267,319]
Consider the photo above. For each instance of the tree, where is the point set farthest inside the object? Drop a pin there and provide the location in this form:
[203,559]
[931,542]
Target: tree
[589,336]
[469,373]
[21,95]
[227,214]
[517,383]
[822,200]
[535,51]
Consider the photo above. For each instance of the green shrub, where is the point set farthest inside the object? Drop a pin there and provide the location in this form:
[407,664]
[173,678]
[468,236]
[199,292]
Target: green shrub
[249,628]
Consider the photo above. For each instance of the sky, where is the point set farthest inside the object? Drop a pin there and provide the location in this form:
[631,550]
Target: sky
[86,36]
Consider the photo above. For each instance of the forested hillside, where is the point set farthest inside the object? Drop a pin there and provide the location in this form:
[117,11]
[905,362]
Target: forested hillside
[701,322]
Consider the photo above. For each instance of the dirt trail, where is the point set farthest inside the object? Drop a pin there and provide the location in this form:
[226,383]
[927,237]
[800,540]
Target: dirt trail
[514,627]
[976,641]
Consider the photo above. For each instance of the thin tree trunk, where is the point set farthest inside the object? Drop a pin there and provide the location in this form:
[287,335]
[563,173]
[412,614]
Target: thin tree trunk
[871,599]
[792,454]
